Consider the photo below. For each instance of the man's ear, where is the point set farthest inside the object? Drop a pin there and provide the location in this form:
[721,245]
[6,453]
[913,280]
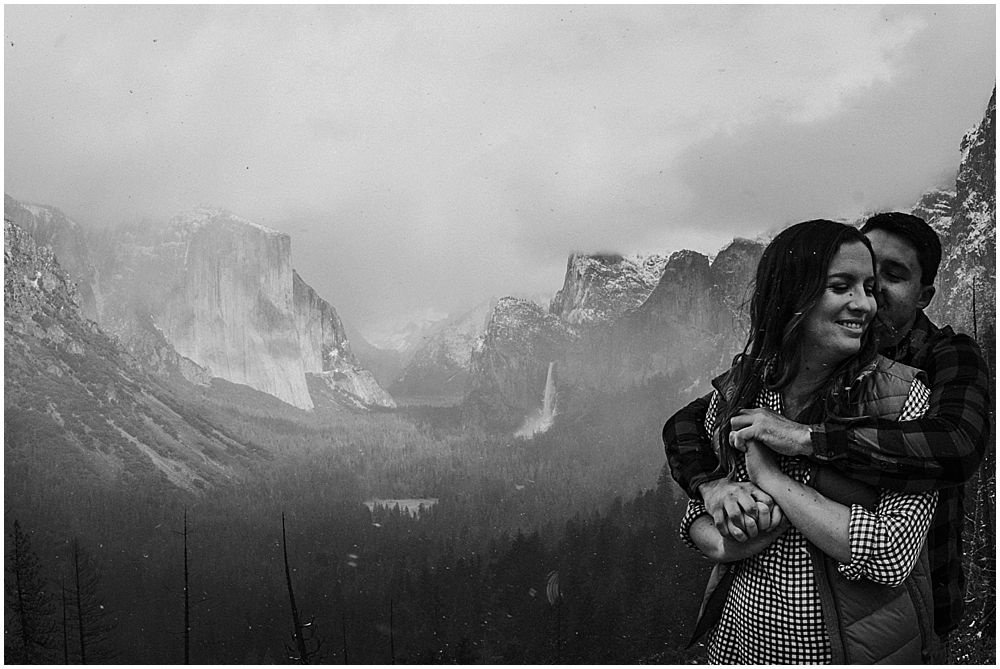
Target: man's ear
[926,293]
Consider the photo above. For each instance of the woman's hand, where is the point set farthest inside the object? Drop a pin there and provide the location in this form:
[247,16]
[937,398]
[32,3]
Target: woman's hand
[725,549]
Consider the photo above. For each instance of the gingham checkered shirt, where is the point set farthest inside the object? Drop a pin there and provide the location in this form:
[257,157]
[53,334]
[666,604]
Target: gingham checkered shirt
[773,613]
[939,451]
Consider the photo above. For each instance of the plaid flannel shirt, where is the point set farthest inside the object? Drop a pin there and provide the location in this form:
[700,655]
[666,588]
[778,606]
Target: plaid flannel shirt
[938,452]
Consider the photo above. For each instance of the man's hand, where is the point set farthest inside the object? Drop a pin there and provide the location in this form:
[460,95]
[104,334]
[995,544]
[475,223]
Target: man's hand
[773,430]
[739,509]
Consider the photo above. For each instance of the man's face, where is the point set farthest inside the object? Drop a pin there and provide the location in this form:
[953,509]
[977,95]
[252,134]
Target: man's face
[900,292]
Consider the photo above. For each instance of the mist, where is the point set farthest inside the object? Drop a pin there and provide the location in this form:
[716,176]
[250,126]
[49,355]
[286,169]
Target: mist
[431,157]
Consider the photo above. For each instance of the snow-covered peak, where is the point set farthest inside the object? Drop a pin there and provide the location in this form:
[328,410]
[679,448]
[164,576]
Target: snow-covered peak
[192,221]
[602,286]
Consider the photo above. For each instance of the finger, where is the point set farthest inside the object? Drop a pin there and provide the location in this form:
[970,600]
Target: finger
[761,497]
[764,517]
[748,523]
[776,515]
[737,441]
[720,524]
[733,531]
[740,421]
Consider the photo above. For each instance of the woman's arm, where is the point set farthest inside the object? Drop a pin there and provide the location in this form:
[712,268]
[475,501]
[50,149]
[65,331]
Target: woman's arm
[821,520]
[882,546]
[706,537]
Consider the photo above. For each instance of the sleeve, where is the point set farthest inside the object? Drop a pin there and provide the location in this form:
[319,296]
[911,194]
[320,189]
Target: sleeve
[886,543]
[695,509]
[689,449]
[942,449]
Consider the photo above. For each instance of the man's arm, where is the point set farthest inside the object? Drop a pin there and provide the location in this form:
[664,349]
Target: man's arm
[689,449]
[940,450]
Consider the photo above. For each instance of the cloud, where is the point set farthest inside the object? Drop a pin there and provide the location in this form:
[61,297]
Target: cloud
[441,154]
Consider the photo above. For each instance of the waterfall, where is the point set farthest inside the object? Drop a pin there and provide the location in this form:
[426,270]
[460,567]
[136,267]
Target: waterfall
[541,420]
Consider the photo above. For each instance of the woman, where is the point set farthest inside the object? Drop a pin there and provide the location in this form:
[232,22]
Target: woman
[843,577]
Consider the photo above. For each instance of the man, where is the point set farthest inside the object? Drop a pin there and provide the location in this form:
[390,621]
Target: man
[938,452]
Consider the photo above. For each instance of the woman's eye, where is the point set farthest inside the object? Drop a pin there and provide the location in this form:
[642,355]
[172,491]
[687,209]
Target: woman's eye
[839,287]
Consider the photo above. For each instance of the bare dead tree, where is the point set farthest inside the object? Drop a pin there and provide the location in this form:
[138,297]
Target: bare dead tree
[301,633]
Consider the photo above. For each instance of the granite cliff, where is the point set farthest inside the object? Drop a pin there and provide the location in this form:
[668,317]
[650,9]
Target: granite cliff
[210,294]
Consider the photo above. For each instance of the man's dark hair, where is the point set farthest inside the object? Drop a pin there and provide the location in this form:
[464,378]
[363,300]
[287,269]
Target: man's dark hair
[915,231]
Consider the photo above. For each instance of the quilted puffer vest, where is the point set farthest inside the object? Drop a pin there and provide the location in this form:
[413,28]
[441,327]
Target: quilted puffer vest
[871,623]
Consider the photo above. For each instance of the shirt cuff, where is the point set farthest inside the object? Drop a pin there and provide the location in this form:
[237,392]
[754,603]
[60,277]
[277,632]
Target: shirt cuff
[698,479]
[827,441]
[863,538]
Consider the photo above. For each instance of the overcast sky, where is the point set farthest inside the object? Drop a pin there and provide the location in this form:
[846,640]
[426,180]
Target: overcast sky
[434,156]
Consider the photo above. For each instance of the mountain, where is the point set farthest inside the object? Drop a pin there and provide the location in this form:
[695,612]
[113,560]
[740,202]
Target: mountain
[606,336]
[440,366]
[966,221]
[211,295]
[616,324]
[601,287]
[78,407]
[510,362]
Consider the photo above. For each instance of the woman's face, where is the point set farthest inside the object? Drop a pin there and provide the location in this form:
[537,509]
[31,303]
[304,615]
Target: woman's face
[832,331]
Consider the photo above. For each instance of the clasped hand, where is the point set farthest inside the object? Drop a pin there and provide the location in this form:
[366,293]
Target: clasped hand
[742,510]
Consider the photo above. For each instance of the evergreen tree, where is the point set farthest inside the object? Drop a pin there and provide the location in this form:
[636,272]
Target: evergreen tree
[28,622]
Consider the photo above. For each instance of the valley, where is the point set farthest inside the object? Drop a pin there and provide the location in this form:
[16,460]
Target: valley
[186,409]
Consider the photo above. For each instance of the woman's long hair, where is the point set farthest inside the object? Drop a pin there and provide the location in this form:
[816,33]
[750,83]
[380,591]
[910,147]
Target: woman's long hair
[791,278]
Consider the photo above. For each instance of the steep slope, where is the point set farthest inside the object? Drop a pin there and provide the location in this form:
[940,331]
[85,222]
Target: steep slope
[78,407]
[332,369]
[510,362]
[967,224]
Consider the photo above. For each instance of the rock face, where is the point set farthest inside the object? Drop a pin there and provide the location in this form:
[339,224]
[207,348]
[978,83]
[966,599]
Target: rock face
[602,287]
[326,352]
[79,403]
[223,297]
[510,362]
[52,229]
[967,225]
[211,294]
